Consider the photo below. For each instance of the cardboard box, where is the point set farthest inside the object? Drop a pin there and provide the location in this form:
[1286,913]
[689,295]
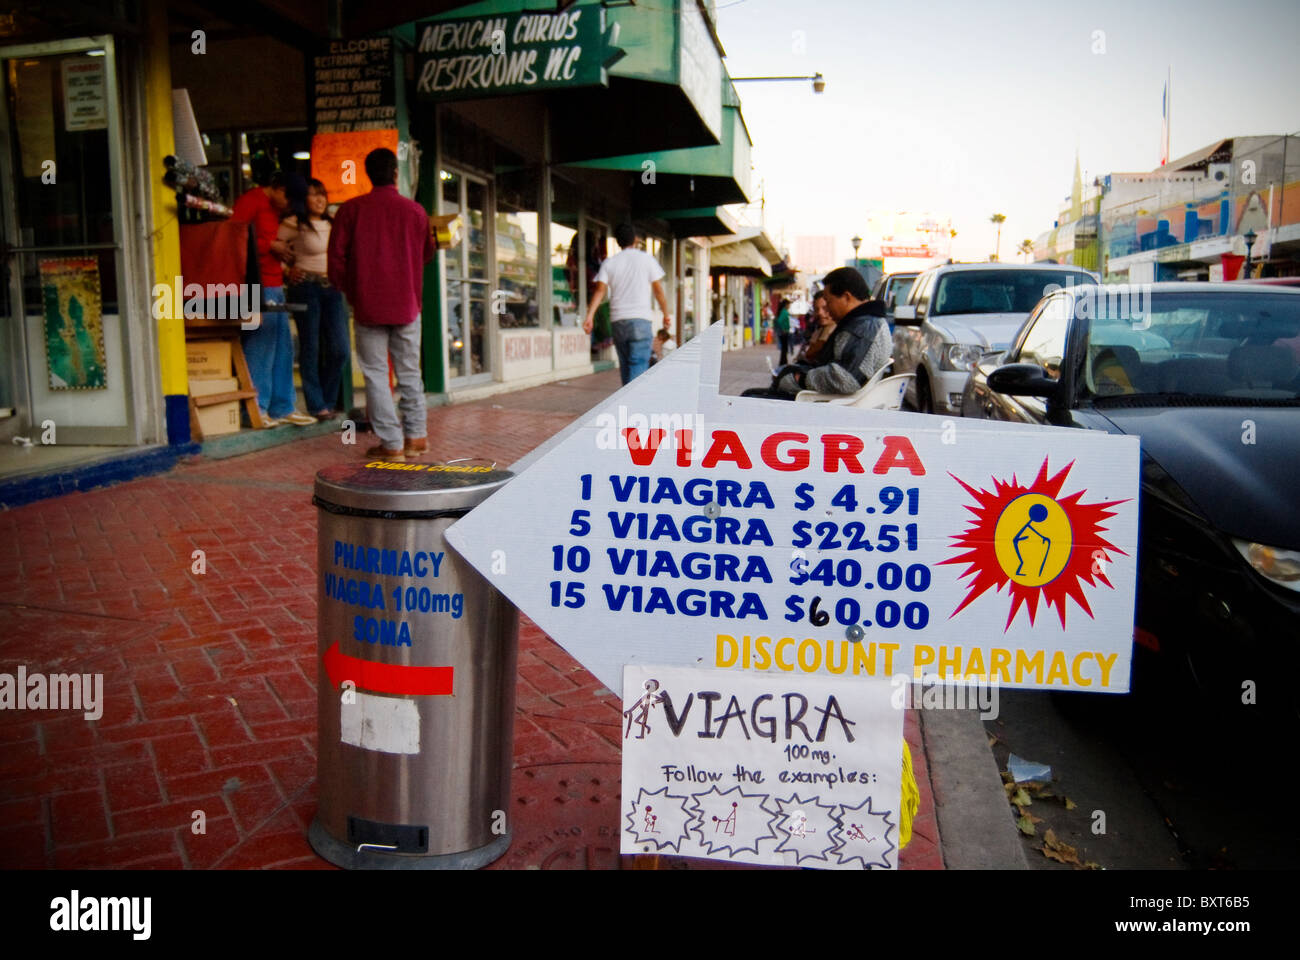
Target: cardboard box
[208,359]
[220,418]
[445,229]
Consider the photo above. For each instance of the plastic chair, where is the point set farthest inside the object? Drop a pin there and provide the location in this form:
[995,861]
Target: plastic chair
[844,399]
[886,394]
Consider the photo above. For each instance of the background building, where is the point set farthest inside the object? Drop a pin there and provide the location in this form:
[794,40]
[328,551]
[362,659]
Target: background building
[1188,219]
[815,254]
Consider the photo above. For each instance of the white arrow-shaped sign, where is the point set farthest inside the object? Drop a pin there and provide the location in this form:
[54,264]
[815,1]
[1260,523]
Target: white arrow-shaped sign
[672,525]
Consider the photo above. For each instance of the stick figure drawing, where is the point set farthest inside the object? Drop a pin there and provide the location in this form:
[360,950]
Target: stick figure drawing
[639,712]
[1037,514]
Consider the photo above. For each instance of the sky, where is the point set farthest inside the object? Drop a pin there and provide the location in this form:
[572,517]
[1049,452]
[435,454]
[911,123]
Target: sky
[966,110]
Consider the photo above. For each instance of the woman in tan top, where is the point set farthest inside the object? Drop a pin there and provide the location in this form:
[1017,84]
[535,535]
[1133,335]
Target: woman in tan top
[323,329]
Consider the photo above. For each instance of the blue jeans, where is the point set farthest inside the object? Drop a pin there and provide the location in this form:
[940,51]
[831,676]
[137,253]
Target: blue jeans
[322,344]
[632,344]
[269,352]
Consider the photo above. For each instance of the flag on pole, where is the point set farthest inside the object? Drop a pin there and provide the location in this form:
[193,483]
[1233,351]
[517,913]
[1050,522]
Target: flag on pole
[1164,124]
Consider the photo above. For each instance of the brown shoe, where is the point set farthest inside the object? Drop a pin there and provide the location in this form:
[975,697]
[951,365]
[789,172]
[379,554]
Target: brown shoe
[381,452]
[416,447]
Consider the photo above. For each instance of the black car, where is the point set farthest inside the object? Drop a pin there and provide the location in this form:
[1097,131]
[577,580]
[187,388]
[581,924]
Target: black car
[1208,375]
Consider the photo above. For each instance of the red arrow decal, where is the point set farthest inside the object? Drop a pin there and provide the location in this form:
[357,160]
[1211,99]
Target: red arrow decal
[386,677]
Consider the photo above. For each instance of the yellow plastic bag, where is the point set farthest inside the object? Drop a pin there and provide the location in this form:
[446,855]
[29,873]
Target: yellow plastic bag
[911,800]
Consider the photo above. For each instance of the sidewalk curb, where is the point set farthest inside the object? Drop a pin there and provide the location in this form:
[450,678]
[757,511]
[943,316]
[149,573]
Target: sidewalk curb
[976,831]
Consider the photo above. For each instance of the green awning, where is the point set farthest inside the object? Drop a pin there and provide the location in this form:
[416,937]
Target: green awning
[747,252]
[617,80]
[699,222]
[696,177]
[739,259]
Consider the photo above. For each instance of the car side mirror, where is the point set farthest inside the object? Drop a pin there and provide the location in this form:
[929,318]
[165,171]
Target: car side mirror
[905,316]
[1024,380]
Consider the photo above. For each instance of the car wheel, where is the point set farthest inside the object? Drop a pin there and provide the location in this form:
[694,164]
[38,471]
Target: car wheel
[924,401]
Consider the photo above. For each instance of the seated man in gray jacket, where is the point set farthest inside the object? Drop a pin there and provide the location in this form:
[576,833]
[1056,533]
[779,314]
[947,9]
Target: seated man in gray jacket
[859,345]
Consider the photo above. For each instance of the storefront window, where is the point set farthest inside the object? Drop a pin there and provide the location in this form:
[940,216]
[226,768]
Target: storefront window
[467,284]
[688,291]
[264,152]
[64,340]
[566,303]
[599,249]
[515,300]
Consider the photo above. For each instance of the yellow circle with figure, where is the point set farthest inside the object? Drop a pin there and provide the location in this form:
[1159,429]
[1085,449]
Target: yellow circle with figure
[1033,540]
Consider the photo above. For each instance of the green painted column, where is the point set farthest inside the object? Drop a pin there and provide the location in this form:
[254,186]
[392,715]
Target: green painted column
[432,342]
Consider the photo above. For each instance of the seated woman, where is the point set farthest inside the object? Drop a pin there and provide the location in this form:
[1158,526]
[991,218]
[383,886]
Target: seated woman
[858,346]
[821,331]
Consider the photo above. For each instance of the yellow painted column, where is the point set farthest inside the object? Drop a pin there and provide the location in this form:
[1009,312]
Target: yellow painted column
[166,245]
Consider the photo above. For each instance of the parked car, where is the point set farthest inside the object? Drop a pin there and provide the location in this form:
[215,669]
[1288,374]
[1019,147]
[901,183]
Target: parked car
[1208,375]
[957,312]
[893,288]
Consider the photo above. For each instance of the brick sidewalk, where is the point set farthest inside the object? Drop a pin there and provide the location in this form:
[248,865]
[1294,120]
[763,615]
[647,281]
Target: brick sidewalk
[210,680]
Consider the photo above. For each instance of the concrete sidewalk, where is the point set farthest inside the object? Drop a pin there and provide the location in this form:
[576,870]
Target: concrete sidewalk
[210,679]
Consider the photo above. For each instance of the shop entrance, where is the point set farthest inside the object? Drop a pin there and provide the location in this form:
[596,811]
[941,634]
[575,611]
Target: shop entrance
[471,276]
[64,305]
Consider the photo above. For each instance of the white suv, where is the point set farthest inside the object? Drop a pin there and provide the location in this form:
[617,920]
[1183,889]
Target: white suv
[957,312]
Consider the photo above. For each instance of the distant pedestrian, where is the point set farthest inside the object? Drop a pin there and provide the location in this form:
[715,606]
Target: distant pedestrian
[663,345]
[378,248]
[782,325]
[268,349]
[630,277]
[323,330]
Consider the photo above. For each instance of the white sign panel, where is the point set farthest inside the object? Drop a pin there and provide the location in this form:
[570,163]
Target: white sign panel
[674,525]
[572,347]
[524,353]
[777,770]
[85,97]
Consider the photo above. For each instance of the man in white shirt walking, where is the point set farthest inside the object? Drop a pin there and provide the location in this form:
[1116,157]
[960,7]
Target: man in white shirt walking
[630,277]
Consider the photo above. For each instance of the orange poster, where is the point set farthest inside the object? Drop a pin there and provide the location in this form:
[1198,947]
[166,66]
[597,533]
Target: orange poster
[338,160]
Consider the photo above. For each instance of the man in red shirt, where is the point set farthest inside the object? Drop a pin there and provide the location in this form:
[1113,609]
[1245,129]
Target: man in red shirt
[378,248]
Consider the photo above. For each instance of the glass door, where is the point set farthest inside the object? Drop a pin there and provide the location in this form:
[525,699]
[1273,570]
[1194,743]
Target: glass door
[596,249]
[470,272]
[64,357]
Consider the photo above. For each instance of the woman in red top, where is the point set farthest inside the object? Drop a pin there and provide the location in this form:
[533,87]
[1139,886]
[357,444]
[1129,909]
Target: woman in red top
[269,349]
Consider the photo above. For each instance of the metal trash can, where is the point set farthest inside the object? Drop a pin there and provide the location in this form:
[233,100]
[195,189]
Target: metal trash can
[417,673]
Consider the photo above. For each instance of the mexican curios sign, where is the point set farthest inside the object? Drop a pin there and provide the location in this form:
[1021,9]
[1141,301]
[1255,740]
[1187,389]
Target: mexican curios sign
[495,55]
[671,525]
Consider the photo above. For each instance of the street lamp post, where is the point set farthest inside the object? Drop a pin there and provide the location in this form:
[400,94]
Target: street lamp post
[857,242]
[1249,237]
[818,81]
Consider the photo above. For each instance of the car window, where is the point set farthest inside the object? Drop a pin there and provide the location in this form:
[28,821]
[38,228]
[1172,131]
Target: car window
[921,294]
[1044,342]
[1208,345]
[1013,352]
[999,291]
[899,290]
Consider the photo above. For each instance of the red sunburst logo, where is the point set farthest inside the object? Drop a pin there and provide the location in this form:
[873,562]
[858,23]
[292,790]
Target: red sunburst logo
[1036,541]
